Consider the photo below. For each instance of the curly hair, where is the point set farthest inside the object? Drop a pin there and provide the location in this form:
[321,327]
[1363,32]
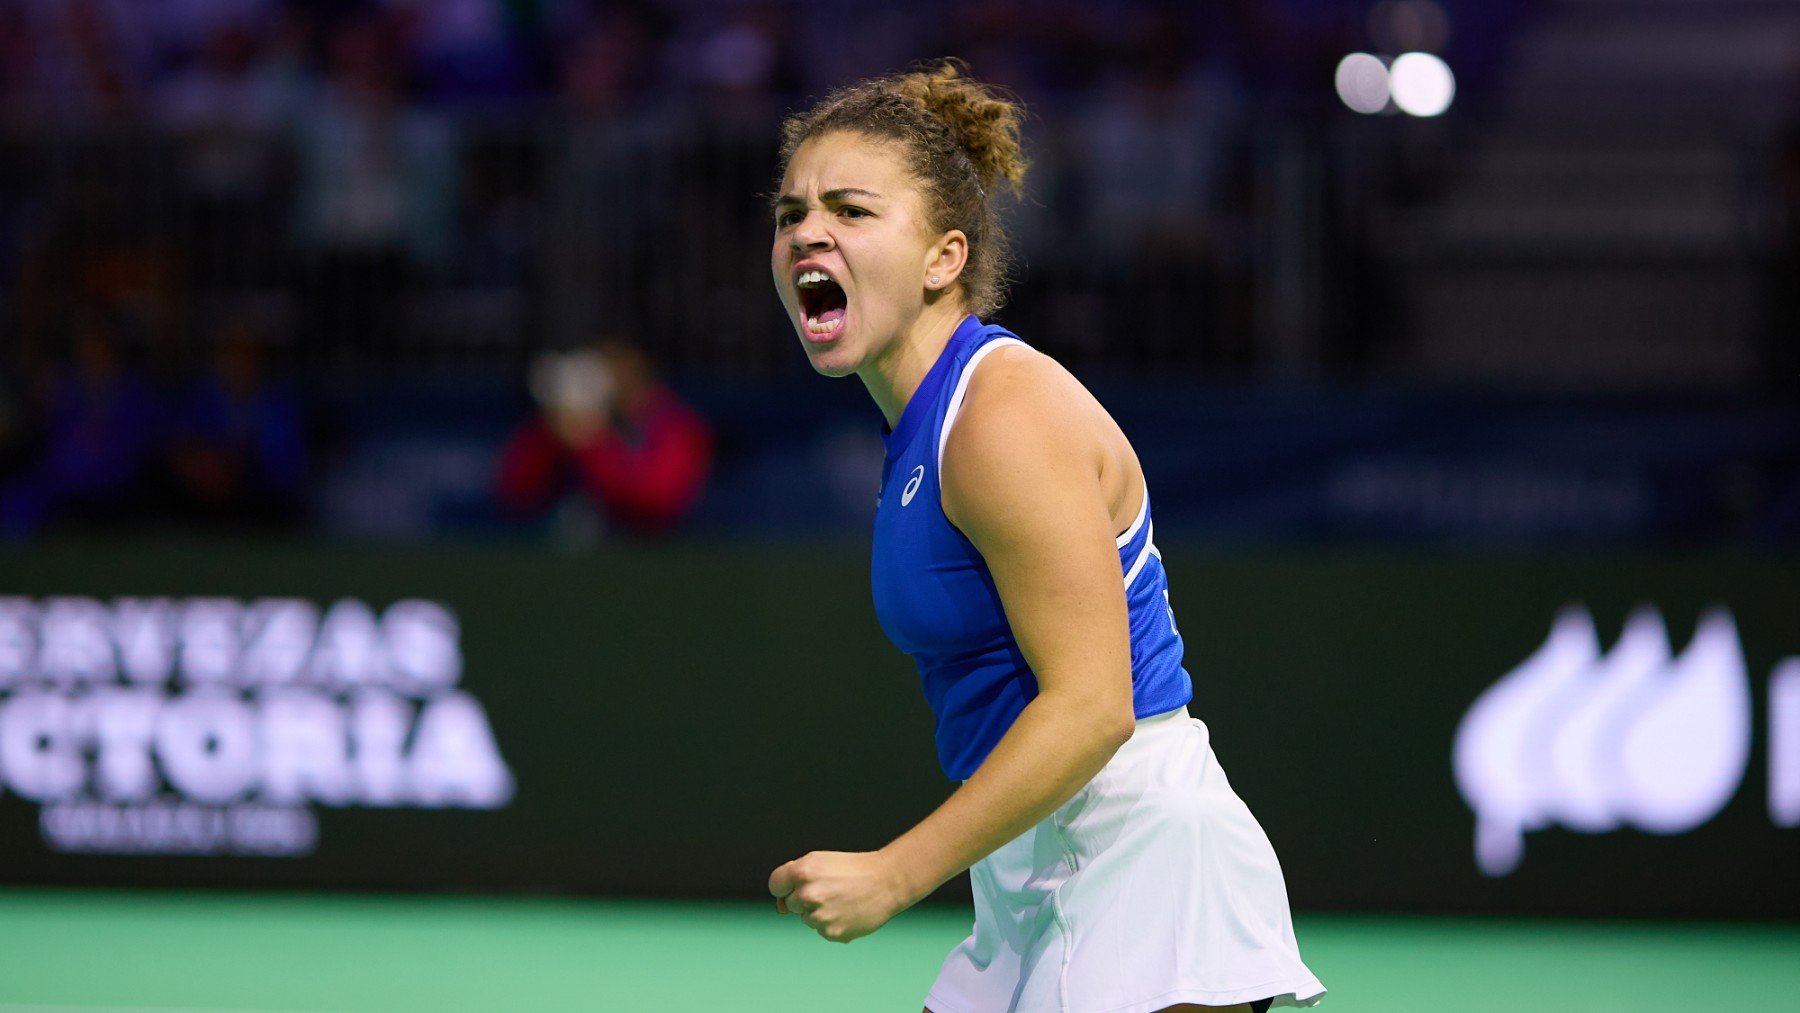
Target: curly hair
[961,139]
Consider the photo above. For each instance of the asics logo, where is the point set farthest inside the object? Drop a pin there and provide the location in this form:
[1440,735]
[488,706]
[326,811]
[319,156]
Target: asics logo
[912,485]
[1593,740]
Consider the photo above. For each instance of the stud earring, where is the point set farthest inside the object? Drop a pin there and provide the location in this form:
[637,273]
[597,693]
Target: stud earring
[934,279]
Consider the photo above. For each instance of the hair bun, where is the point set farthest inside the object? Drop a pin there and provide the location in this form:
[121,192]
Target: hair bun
[983,120]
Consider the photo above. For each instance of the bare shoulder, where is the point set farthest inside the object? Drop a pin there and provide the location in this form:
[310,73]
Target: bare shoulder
[1019,377]
[1018,400]
[1026,427]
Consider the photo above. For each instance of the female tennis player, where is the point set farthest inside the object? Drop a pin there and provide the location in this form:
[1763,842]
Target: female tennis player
[1113,868]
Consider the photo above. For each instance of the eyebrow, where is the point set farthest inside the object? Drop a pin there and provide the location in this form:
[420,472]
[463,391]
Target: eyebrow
[829,196]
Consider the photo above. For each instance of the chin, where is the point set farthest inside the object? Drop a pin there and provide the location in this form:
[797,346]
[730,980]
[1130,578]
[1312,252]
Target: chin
[831,361]
[834,359]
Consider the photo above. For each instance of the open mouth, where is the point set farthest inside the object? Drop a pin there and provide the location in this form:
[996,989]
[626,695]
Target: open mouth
[822,303]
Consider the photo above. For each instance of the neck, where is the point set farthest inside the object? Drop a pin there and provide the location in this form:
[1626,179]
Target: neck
[892,378]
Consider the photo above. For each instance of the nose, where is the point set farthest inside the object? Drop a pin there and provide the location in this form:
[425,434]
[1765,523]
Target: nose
[811,234]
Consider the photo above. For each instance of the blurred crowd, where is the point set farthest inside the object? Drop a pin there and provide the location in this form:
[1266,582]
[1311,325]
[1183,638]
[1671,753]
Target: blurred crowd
[208,208]
[108,441]
[103,440]
[191,62]
[235,235]
[347,151]
[610,444]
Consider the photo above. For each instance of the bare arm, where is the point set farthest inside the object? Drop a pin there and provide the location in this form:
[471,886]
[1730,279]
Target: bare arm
[1022,479]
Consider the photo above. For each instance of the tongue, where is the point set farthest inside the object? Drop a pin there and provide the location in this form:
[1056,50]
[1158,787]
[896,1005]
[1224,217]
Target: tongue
[831,315]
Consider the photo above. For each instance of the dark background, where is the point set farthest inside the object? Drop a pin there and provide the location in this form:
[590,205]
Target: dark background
[1405,387]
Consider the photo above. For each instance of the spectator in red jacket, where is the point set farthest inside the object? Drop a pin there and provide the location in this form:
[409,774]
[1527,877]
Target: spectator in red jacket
[606,426]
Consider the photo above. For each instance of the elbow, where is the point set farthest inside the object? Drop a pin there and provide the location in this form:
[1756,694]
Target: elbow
[1112,722]
[1120,727]
[1101,723]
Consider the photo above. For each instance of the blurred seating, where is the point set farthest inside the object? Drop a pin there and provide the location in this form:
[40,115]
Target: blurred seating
[414,202]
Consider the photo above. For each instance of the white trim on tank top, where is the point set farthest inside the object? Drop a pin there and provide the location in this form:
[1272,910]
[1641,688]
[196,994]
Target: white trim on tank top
[961,391]
[955,406]
[1143,556]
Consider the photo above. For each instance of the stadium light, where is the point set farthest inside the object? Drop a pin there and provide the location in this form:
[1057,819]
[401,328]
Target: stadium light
[1421,84]
[1362,82]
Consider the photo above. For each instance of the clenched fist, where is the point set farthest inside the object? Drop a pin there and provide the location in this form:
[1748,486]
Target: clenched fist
[841,895]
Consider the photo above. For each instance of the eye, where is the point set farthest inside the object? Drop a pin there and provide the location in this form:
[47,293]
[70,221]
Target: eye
[850,211]
[788,219]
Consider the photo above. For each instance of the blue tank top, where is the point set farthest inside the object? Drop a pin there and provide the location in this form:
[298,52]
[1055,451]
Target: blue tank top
[936,599]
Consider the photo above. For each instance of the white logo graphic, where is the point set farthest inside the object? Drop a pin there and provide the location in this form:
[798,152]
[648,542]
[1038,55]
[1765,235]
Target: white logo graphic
[1594,740]
[912,485]
[1784,744]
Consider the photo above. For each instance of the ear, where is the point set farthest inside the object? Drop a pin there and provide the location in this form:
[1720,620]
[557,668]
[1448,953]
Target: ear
[945,260]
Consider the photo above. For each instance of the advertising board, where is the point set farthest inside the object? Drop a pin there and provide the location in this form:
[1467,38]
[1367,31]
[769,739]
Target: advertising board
[1604,735]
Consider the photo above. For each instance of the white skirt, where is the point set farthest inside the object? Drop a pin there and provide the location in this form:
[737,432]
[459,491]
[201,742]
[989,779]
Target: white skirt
[1153,886]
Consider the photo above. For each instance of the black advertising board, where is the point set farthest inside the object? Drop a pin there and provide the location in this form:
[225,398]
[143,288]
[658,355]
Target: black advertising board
[1589,734]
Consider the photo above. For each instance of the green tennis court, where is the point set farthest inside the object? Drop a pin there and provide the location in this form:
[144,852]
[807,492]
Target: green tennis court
[90,950]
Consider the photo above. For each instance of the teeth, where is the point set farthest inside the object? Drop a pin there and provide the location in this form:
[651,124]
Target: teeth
[813,277]
[816,327]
